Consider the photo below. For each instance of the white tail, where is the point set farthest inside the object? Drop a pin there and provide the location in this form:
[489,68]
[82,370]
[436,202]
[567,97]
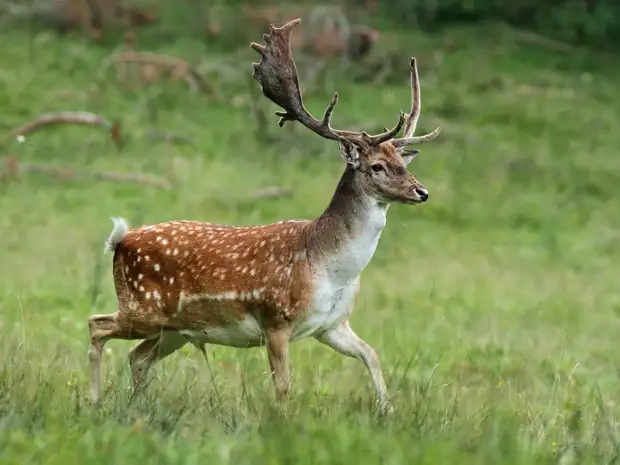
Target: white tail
[196,282]
[118,232]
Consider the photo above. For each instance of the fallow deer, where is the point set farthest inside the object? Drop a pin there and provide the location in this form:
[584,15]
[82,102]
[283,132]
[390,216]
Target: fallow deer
[93,15]
[268,285]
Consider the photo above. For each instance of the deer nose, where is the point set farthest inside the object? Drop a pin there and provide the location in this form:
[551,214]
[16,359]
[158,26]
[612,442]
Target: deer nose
[422,193]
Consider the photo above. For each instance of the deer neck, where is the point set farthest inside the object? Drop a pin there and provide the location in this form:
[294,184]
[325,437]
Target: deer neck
[344,238]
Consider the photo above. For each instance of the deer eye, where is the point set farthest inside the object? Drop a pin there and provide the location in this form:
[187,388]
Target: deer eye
[377,167]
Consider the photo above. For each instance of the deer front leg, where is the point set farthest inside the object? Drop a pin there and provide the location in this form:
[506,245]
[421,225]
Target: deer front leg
[102,329]
[277,350]
[342,339]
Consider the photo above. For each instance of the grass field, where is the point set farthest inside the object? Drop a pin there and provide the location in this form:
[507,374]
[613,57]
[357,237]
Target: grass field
[494,307]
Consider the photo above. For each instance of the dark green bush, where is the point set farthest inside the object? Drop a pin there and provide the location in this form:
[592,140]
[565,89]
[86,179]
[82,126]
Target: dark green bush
[587,22]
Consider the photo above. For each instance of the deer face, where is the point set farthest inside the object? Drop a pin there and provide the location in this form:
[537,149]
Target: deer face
[382,173]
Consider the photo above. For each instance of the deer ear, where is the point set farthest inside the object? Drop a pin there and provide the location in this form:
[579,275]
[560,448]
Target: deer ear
[350,153]
[409,155]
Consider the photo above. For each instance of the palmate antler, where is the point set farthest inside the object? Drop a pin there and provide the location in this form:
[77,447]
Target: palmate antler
[277,74]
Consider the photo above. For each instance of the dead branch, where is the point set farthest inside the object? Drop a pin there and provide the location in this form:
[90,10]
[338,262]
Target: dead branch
[271,192]
[547,92]
[178,68]
[172,138]
[70,117]
[12,168]
[544,42]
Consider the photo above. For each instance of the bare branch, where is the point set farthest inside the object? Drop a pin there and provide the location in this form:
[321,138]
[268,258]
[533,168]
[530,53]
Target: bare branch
[271,192]
[178,67]
[12,167]
[70,117]
[65,117]
[531,38]
[172,138]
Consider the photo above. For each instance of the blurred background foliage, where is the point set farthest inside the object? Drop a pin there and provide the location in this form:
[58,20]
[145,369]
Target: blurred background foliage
[592,22]
[595,23]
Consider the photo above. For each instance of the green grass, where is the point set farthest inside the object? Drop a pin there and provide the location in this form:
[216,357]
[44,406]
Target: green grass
[494,307]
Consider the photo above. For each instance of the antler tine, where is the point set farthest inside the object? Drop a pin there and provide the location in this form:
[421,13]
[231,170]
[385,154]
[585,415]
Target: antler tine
[387,135]
[414,114]
[277,74]
[404,141]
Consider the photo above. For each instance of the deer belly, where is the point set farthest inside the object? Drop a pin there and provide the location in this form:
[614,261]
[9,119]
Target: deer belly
[242,333]
[330,307]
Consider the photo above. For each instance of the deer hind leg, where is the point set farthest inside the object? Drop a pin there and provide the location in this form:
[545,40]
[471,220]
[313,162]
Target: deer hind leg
[102,329]
[143,355]
[342,339]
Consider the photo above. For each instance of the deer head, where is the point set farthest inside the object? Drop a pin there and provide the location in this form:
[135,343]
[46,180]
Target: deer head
[379,161]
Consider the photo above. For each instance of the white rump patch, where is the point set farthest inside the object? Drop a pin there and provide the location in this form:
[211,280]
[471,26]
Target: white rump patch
[119,231]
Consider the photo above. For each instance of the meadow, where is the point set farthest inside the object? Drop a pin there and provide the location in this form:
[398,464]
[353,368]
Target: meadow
[494,307]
